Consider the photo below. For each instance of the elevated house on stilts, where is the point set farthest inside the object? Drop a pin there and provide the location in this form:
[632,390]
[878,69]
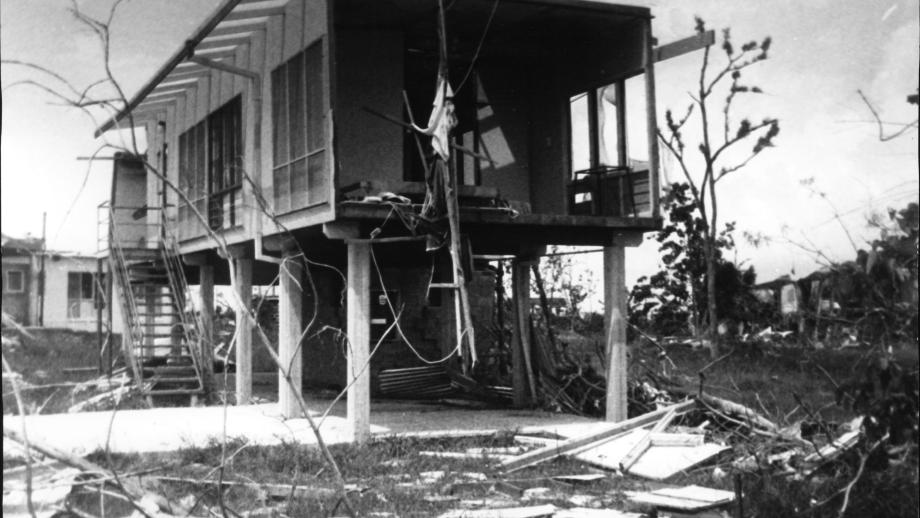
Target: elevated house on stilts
[375,156]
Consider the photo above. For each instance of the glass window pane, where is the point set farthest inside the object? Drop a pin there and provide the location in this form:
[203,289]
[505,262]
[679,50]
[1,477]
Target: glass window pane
[314,79]
[607,126]
[280,136]
[200,177]
[580,144]
[281,187]
[637,123]
[316,175]
[299,184]
[73,285]
[87,286]
[297,110]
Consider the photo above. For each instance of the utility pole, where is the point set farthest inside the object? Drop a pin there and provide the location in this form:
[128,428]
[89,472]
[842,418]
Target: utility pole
[41,274]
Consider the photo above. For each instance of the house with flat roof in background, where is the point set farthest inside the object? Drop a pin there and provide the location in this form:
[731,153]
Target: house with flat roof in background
[52,289]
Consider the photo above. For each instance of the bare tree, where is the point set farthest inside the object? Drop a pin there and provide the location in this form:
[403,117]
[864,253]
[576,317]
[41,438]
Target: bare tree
[900,127]
[717,143]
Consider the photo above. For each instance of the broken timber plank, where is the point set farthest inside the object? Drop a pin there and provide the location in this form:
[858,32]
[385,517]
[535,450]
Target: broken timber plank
[684,46]
[676,439]
[835,448]
[508,512]
[646,442]
[688,498]
[658,463]
[555,450]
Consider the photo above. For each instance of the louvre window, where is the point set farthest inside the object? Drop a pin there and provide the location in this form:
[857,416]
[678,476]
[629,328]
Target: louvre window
[298,135]
[210,171]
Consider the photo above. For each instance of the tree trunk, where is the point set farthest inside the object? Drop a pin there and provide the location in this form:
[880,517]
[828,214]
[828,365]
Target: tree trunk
[711,296]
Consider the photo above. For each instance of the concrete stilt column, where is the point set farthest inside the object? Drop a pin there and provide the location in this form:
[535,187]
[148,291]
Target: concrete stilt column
[290,328]
[244,331]
[206,318]
[615,325]
[358,372]
[522,382]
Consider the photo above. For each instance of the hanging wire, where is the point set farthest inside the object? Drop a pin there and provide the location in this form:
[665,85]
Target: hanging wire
[482,40]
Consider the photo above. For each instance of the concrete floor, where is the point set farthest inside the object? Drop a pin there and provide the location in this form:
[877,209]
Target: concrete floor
[169,429]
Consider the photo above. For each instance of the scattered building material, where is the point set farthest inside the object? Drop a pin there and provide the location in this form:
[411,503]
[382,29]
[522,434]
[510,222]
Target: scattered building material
[49,486]
[739,412]
[656,462]
[687,499]
[834,449]
[277,491]
[555,450]
[536,441]
[676,439]
[131,490]
[508,512]
[587,512]
[580,479]
[98,399]
[645,442]
[415,382]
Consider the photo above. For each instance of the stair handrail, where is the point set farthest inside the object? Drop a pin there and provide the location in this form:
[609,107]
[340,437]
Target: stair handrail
[133,332]
[169,249]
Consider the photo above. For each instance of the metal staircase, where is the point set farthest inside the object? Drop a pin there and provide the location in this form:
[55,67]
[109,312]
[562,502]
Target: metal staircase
[161,341]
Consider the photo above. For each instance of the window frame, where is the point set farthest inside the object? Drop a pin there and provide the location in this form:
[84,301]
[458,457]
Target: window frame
[211,154]
[22,281]
[299,143]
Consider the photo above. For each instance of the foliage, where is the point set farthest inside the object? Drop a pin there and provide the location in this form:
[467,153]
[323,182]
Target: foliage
[715,149]
[669,301]
[563,279]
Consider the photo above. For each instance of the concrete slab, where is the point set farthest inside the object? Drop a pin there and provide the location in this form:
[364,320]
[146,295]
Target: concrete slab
[170,429]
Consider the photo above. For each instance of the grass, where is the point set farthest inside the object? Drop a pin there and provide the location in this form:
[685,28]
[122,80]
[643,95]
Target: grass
[787,385]
[388,475]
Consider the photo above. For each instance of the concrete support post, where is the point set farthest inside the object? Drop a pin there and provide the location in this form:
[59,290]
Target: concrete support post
[243,331]
[290,328]
[522,382]
[615,325]
[206,316]
[358,372]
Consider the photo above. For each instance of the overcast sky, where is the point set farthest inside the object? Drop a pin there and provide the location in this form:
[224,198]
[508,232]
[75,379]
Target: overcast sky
[823,51]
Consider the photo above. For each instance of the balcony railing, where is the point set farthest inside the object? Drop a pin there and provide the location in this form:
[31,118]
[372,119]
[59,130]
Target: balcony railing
[610,191]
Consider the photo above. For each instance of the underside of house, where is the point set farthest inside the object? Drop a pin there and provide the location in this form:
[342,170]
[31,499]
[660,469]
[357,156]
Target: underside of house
[298,143]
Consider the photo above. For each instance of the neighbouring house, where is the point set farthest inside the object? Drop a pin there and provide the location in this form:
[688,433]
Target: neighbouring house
[281,145]
[69,297]
[21,263]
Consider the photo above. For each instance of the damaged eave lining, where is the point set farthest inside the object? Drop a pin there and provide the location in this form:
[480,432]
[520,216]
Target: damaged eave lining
[208,40]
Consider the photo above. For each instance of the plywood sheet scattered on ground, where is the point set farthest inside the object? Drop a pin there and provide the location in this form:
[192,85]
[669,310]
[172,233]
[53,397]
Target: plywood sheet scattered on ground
[687,498]
[657,463]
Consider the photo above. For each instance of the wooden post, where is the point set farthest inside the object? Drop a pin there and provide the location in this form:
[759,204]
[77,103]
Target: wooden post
[290,327]
[243,331]
[522,381]
[652,119]
[359,319]
[206,316]
[615,324]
